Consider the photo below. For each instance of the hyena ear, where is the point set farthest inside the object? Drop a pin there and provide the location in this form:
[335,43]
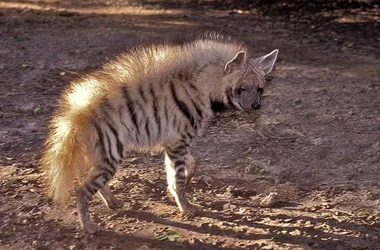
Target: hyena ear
[266,63]
[235,63]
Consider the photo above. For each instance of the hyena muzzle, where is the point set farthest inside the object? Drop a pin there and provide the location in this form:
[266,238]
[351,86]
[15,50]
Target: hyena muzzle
[158,96]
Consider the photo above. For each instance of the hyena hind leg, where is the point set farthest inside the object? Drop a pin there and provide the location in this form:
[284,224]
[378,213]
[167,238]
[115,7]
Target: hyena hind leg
[190,167]
[176,178]
[95,181]
[108,198]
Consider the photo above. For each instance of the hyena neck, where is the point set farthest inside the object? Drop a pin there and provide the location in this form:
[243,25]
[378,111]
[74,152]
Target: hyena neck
[209,82]
[209,59]
[221,104]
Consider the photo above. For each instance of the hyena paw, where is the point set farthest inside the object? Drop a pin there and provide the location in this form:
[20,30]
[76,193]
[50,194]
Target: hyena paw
[91,228]
[191,209]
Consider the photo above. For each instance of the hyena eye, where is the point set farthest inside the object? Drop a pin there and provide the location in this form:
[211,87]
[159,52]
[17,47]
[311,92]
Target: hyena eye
[241,89]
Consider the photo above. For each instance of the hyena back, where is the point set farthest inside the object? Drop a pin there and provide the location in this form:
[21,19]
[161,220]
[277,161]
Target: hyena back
[158,96]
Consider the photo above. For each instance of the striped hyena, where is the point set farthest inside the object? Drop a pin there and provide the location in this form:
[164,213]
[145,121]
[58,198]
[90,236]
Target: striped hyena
[158,96]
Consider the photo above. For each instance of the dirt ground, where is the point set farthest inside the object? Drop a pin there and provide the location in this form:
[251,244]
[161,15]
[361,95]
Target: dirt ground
[315,142]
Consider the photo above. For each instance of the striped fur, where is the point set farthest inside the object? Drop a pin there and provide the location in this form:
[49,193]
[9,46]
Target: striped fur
[158,96]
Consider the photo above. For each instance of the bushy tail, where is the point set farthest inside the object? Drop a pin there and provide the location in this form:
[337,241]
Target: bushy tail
[65,157]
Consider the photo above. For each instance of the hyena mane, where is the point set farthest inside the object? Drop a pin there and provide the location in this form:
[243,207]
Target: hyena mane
[156,96]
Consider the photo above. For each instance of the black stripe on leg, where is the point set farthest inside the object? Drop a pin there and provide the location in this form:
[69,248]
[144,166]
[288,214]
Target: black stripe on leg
[110,165]
[188,135]
[90,189]
[101,137]
[119,145]
[181,105]
[180,148]
[110,149]
[99,176]
[180,174]
[176,152]
[108,172]
[184,141]
[97,185]
[107,109]
[170,154]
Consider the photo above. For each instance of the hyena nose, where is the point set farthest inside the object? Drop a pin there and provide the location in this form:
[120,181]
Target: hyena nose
[255,106]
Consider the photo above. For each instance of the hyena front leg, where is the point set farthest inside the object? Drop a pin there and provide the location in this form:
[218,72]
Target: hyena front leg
[175,160]
[108,198]
[96,180]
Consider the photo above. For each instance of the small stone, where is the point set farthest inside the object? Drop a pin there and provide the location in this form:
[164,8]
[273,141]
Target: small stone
[71,247]
[317,141]
[326,205]
[191,241]
[229,206]
[36,245]
[263,172]
[222,223]
[144,247]
[269,200]
[296,232]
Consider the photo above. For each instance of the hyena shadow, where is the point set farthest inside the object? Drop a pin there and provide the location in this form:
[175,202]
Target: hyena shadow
[215,230]
[204,228]
[123,241]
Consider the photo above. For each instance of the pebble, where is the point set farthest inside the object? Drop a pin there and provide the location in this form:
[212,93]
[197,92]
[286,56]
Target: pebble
[229,206]
[191,241]
[36,245]
[263,172]
[317,141]
[269,200]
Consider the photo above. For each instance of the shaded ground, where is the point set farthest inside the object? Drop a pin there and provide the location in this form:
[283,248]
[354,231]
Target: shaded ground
[316,141]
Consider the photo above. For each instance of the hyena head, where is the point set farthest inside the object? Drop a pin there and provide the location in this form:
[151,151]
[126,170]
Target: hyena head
[245,79]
